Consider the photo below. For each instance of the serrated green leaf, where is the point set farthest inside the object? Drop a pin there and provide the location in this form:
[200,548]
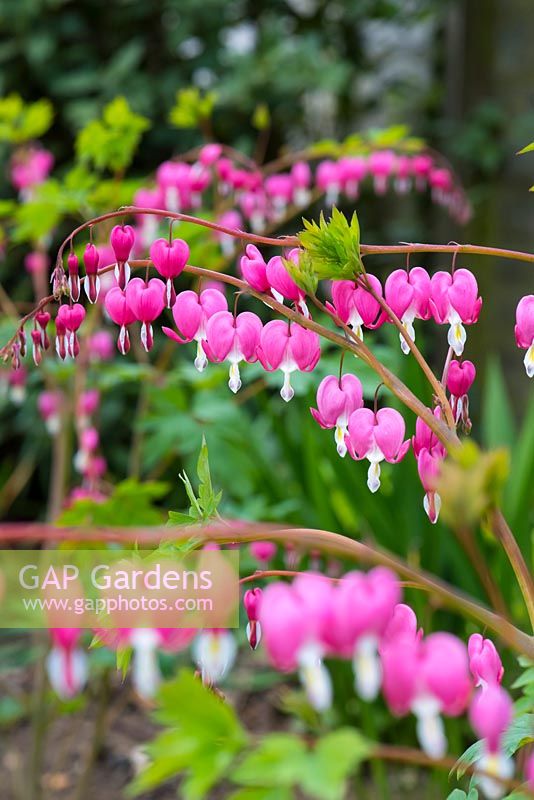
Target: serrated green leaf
[332,249]
[280,760]
[335,757]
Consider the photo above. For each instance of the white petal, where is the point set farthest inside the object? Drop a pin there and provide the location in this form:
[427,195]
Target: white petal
[430,730]
[314,677]
[287,392]
[499,765]
[146,676]
[373,476]
[339,437]
[529,361]
[235,379]
[67,672]
[367,668]
[201,360]
[214,653]
[457,337]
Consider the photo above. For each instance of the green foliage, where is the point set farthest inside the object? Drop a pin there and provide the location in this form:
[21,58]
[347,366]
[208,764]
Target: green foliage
[130,504]
[331,250]
[204,742]
[192,108]
[471,483]
[109,143]
[261,119]
[201,739]
[203,507]
[520,733]
[21,122]
[459,794]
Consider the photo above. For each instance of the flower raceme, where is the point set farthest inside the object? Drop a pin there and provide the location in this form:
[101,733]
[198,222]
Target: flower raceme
[288,347]
[524,331]
[376,436]
[337,398]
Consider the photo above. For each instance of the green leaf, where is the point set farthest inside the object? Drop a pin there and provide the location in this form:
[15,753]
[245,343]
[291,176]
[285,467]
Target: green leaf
[262,793]
[280,760]
[331,249]
[124,657]
[202,739]
[110,142]
[192,108]
[527,149]
[21,122]
[334,759]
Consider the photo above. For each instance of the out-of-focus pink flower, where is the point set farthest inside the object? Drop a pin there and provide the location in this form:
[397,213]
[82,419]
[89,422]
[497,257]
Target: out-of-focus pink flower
[230,219]
[29,168]
[214,652]
[352,171]
[291,618]
[328,180]
[361,607]
[66,663]
[147,301]
[337,398]
[191,312]
[36,262]
[381,166]
[209,154]
[88,404]
[490,714]
[232,339]
[425,438]
[377,437]
[454,301]
[524,330]
[288,347]
[263,552]
[100,346]
[421,166]
[428,677]
[355,305]
[301,175]
[120,312]
[429,468]
[50,404]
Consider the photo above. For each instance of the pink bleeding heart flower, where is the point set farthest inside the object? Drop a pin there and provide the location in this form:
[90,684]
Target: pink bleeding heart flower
[122,240]
[169,258]
[352,171]
[361,608]
[288,348]
[421,166]
[428,677]
[490,714]
[120,312]
[337,398]
[263,552]
[252,603]
[66,664]
[232,220]
[328,180]
[29,168]
[442,184]
[381,166]
[454,301]
[376,436]
[91,283]
[484,661]
[408,295]
[49,405]
[69,319]
[254,269]
[147,301]
[209,154]
[429,468]
[292,618]
[100,346]
[524,330]
[283,285]
[191,312]
[42,319]
[355,305]
[87,404]
[403,173]
[425,438]
[232,339]
[301,176]
[279,189]
[460,377]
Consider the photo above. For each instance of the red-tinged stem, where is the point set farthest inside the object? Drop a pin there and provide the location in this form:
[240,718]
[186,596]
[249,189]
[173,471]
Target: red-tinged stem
[409,755]
[468,249]
[303,538]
